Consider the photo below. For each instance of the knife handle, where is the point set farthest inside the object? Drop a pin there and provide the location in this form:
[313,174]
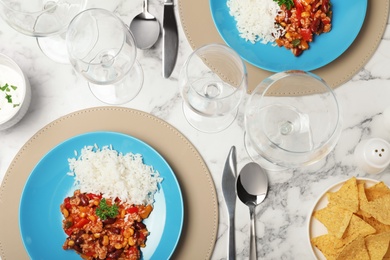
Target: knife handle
[231,239]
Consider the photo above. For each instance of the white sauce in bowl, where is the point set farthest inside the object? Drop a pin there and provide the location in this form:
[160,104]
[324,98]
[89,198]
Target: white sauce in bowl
[11,77]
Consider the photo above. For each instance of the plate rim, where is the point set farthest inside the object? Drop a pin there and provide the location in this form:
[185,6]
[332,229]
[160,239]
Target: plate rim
[108,134]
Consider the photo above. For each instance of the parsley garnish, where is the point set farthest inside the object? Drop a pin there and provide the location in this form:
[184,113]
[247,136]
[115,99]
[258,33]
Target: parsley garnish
[105,211]
[7,93]
[8,97]
[288,3]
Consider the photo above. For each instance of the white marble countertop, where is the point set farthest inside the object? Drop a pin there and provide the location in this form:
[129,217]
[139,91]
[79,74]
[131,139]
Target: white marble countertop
[282,218]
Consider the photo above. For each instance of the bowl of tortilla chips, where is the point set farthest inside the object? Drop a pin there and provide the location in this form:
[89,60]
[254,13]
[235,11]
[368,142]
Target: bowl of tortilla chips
[351,220]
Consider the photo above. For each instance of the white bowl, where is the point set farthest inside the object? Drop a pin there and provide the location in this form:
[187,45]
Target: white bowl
[14,102]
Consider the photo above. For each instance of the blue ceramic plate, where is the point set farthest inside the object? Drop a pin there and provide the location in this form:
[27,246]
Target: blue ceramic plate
[40,218]
[348,18]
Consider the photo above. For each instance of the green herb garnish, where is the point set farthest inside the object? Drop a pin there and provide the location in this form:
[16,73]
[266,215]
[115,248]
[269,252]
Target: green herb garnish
[8,96]
[5,87]
[288,3]
[105,211]
[296,42]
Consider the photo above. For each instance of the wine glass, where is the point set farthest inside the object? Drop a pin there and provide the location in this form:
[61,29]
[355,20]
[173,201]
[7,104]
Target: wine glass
[47,20]
[212,83]
[292,119]
[102,49]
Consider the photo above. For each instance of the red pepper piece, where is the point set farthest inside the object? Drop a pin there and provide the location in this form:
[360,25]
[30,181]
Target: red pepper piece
[306,34]
[299,8]
[67,203]
[69,231]
[92,196]
[81,222]
[132,210]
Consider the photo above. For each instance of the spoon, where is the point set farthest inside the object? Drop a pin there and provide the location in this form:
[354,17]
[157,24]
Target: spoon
[252,188]
[145,28]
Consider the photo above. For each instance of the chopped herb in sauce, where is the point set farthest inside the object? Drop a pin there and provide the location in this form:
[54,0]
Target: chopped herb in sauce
[105,211]
[288,3]
[7,90]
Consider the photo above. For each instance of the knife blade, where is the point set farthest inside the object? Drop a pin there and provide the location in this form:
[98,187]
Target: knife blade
[170,39]
[229,193]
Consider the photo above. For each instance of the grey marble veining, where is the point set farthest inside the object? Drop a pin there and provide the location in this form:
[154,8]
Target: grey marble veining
[282,218]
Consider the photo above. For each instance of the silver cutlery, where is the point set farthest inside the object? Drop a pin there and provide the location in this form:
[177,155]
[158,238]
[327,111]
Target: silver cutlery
[229,193]
[145,28]
[252,189]
[170,39]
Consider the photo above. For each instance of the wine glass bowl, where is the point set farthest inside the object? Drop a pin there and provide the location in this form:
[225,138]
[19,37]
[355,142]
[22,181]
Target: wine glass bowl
[40,18]
[292,119]
[45,19]
[212,83]
[102,49]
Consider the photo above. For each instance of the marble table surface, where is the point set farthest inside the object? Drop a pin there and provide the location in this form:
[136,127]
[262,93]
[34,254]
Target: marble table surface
[282,218]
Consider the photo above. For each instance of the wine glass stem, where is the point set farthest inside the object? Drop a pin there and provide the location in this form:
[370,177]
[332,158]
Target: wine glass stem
[286,128]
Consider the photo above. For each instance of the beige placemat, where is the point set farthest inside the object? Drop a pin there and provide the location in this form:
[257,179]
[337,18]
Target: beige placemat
[199,29]
[200,200]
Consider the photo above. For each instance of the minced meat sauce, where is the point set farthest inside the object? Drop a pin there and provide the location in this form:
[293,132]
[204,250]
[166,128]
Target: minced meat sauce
[300,23]
[100,228]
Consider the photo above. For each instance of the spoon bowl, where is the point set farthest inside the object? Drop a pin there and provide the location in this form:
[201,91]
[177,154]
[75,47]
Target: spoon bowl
[252,189]
[145,28]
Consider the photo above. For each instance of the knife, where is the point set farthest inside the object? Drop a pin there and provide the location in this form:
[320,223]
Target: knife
[229,193]
[170,39]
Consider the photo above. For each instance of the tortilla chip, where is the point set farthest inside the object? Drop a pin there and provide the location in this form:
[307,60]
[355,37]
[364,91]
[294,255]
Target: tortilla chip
[378,190]
[379,209]
[346,197]
[362,200]
[325,244]
[357,228]
[335,219]
[379,227]
[356,248]
[387,255]
[377,245]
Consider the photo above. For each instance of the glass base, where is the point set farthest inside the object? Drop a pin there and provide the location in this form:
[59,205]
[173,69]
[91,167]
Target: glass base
[54,47]
[123,91]
[254,155]
[208,124]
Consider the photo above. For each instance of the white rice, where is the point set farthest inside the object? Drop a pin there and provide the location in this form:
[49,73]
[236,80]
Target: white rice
[114,175]
[256,19]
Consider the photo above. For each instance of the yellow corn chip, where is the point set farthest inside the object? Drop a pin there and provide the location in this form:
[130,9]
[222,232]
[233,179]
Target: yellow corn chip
[346,197]
[379,209]
[387,255]
[354,250]
[357,228]
[325,244]
[335,219]
[378,190]
[379,227]
[362,200]
[377,245]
